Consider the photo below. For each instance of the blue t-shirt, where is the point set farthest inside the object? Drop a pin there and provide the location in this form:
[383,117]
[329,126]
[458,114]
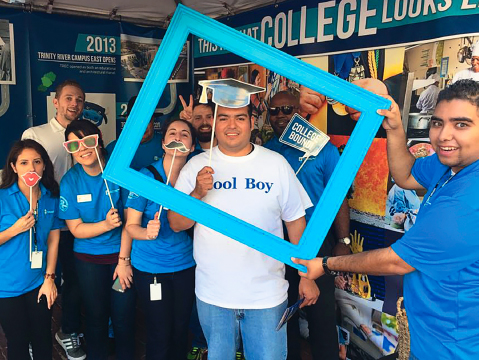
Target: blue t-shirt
[442,295]
[315,174]
[17,276]
[85,197]
[147,153]
[170,251]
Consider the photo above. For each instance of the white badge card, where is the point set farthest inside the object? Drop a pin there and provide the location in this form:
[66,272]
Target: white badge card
[37,259]
[155,291]
[84,198]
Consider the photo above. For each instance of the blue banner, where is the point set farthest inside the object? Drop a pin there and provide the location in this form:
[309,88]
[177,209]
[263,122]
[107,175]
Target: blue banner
[311,27]
[109,59]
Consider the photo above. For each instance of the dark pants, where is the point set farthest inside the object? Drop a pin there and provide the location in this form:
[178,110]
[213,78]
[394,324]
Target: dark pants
[167,319]
[323,335]
[102,302]
[25,321]
[71,299]
[294,338]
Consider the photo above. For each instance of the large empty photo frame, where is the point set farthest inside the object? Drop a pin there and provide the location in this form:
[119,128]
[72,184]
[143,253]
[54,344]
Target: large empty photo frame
[185,22]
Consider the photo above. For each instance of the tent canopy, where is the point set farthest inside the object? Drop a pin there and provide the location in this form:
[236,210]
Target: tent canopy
[148,12]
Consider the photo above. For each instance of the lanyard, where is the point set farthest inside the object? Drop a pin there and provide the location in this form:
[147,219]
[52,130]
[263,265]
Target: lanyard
[437,184]
[35,215]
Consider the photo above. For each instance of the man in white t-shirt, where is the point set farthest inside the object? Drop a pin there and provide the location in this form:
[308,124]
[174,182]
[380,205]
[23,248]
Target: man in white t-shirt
[473,71]
[240,291]
[68,101]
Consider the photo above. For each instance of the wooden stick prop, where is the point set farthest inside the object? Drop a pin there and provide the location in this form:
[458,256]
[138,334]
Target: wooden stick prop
[177,146]
[213,134]
[106,184]
[31,179]
[304,162]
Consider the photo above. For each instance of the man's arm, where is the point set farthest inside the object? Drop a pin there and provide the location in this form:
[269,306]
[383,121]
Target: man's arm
[376,262]
[204,183]
[400,160]
[341,227]
[307,288]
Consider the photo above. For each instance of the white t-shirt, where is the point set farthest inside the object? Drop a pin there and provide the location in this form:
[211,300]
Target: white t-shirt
[51,136]
[466,74]
[261,189]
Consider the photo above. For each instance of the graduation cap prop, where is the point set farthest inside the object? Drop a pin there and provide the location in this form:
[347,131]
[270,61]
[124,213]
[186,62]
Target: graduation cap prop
[230,93]
[186,21]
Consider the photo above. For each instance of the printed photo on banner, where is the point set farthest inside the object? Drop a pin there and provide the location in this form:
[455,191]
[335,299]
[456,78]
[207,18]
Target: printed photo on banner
[7,53]
[138,53]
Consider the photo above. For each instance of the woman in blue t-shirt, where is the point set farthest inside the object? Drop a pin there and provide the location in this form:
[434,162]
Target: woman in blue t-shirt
[95,220]
[163,265]
[27,288]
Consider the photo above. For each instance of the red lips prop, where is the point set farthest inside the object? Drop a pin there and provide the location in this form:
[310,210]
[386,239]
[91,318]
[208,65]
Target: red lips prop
[31,178]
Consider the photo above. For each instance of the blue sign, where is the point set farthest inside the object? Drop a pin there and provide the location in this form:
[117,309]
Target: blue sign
[302,135]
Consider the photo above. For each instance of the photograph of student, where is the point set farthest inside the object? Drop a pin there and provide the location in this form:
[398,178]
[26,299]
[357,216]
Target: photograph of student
[163,257]
[86,206]
[27,294]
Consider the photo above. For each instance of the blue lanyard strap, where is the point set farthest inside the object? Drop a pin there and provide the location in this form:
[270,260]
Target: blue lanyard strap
[437,184]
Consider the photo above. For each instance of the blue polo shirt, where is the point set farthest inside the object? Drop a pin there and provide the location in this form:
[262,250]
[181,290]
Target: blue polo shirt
[17,275]
[85,197]
[442,295]
[198,150]
[315,174]
[170,251]
[147,153]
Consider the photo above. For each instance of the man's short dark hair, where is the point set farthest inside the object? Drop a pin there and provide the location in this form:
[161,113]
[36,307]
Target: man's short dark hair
[467,90]
[59,88]
[211,105]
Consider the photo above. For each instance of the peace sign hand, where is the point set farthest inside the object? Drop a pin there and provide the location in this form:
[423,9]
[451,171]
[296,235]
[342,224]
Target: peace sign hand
[187,112]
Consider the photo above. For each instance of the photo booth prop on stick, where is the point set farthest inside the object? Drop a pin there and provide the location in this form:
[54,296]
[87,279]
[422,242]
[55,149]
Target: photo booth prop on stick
[185,22]
[31,178]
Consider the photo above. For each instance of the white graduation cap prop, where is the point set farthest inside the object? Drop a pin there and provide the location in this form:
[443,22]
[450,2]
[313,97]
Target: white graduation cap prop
[302,135]
[31,178]
[230,93]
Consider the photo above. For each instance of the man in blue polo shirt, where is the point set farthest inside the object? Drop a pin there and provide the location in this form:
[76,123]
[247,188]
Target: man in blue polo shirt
[149,150]
[314,176]
[439,255]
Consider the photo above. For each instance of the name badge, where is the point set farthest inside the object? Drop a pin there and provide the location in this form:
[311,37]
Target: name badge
[84,198]
[155,291]
[37,259]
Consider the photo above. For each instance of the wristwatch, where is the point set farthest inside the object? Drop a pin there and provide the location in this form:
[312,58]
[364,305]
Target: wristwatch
[327,270]
[51,276]
[345,240]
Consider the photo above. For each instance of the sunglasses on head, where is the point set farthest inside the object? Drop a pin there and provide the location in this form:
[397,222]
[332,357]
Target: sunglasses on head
[90,142]
[286,110]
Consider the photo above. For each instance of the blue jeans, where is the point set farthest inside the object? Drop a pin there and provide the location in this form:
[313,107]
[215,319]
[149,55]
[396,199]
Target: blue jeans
[101,302]
[257,327]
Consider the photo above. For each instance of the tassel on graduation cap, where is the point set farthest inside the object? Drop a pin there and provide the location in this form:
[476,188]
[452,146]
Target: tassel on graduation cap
[229,93]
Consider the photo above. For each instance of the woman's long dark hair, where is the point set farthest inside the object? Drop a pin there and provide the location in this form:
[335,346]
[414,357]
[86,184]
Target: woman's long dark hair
[82,128]
[9,177]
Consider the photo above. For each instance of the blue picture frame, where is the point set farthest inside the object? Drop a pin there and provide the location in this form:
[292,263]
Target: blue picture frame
[187,21]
